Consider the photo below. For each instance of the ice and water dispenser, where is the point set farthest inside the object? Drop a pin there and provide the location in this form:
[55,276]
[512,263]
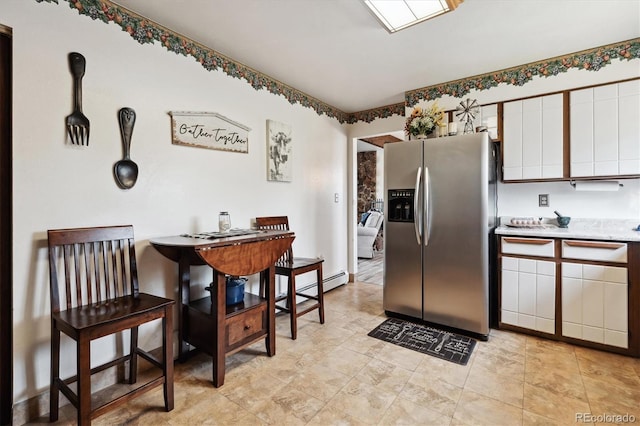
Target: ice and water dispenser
[400,205]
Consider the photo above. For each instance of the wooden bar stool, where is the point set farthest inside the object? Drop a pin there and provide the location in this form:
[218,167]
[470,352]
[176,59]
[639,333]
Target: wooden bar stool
[93,271]
[291,266]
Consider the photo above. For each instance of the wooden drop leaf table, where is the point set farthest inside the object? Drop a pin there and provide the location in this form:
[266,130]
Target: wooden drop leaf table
[208,323]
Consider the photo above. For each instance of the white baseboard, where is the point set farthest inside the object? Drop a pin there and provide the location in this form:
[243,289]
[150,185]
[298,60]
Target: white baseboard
[328,283]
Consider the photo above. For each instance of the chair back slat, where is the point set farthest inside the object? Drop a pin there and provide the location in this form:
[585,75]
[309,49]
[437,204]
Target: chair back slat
[77,265]
[87,270]
[105,268]
[276,223]
[94,271]
[95,252]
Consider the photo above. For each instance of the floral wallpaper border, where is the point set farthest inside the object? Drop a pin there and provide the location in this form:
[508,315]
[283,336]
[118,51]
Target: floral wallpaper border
[146,31]
[591,60]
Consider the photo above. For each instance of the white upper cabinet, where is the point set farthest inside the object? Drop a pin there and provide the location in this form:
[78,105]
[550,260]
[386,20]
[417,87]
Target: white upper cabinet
[533,138]
[605,130]
[487,117]
[629,127]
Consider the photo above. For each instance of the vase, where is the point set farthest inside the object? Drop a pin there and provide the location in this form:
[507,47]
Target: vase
[429,135]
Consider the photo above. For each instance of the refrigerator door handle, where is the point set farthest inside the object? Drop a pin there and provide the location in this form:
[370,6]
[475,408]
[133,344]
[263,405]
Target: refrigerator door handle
[427,206]
[417,223]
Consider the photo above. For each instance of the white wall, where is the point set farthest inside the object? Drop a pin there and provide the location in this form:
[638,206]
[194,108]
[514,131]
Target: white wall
[179,189]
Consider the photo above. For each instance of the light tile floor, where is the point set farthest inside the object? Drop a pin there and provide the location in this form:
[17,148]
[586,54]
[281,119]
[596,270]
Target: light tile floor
[334,374]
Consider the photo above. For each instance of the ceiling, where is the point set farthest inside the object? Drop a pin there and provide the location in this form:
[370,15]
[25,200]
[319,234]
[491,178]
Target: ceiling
[337,52]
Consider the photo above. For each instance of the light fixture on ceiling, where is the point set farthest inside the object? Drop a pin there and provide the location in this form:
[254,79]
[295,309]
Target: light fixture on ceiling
[396,15]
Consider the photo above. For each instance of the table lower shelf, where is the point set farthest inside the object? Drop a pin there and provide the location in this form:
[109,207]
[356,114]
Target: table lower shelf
[245,322]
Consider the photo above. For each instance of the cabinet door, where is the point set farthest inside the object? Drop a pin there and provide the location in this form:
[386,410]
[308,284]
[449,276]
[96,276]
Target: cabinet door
[629,127]
[533,138]
[509,290]
[605,130]
[581,130]
[595,303]
[528,294]
[512,140]
[552,136]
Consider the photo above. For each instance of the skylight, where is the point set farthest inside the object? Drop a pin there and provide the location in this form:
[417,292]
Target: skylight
[396,15]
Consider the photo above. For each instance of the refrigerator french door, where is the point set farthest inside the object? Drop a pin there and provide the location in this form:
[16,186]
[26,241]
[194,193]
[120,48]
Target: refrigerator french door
[440,212]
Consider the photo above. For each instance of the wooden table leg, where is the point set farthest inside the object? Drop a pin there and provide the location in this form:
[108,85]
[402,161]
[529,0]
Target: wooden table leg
[219,338]
[184,272]
[270,287]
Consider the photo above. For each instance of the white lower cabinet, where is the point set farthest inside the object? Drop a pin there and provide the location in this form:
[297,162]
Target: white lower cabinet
[528,293]
[595,303]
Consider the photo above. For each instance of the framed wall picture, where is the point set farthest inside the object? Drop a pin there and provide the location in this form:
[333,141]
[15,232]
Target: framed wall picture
[279,149]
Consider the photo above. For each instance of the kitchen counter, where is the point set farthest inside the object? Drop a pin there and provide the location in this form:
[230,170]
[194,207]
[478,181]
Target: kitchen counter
[592,229]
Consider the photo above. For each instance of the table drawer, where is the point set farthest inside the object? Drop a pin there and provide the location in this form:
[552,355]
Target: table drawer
[528,246]
[603,251]
[246,326]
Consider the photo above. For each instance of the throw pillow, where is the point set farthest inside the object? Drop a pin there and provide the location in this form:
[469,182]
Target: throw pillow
[373,219]
[364,217]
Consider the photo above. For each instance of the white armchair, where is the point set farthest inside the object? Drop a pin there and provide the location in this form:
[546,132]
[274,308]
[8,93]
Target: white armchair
[368,232]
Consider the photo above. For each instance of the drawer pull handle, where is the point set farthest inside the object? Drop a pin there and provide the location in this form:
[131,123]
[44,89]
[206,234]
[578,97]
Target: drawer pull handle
[247,327]
[527,241]
[590,244]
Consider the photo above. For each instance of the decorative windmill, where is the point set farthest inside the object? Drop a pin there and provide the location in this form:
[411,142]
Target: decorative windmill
[467,112]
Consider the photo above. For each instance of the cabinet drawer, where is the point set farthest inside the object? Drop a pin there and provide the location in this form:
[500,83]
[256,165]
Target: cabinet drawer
[602,251]
[246,326]
[528,246]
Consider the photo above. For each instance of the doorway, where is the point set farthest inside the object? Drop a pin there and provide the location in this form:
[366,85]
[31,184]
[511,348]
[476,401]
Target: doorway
[370,185]
[6,250]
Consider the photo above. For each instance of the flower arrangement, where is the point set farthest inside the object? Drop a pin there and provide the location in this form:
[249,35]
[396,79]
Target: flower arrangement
[424,121]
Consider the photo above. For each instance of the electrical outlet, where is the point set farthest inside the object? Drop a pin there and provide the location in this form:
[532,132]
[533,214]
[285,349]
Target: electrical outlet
[543,200]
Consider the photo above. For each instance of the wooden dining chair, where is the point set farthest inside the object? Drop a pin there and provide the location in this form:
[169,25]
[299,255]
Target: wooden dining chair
[291,266]
[93,275]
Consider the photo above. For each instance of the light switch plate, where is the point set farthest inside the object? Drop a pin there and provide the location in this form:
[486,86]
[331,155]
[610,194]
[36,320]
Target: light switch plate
[543,200]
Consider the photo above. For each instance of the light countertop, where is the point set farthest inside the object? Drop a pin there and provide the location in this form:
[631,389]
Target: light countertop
[593,229]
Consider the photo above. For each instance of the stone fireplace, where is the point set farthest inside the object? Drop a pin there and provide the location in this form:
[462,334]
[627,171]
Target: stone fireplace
[366,180]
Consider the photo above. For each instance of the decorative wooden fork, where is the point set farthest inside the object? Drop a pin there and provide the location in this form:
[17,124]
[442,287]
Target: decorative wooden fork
[77,122]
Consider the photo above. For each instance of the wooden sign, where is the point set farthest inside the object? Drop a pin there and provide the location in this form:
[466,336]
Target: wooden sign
[208,130]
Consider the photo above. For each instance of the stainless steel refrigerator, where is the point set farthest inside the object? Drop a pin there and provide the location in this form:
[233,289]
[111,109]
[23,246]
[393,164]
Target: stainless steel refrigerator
[440,214]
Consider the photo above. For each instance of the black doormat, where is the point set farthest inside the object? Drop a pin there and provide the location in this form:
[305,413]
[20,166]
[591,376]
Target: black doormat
[441,344]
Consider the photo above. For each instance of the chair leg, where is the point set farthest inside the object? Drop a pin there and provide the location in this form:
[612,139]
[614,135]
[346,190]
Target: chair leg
[84,380]
[133,356]
[167,357]
[291,301]
[54,389]
[320,294]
